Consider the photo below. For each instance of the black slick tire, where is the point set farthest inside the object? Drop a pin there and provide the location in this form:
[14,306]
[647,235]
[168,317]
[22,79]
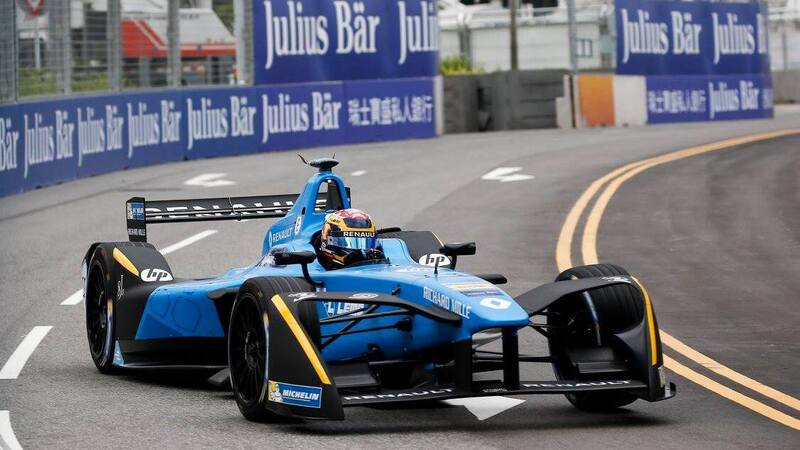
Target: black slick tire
[100,294]
[248,335]
[618,308]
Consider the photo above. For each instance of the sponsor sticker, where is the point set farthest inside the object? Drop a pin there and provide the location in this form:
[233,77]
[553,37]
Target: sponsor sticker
[120,287]
[587,384]
[137,232]
[444,301]
[135,211]
[301,296]
[362,296]
[155,275]
[413,270]
[495,303]
[432,259]
[616,278]
[358,234]
[279,235]
[424,393]
[297,224]
[294,394]
[339,308]
[475,289]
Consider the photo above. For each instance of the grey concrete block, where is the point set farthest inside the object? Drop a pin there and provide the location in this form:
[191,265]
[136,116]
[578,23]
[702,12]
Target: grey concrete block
[786,85]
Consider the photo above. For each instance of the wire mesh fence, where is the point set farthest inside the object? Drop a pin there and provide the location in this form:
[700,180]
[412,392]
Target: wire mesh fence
[56,47]
[479,34]
[784,36]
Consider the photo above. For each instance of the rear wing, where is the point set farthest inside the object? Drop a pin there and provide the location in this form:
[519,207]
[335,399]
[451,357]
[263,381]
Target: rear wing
[140,212]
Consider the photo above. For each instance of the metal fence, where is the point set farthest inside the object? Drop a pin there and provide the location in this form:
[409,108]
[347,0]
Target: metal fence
[57,47]
[784,35]
[481,35]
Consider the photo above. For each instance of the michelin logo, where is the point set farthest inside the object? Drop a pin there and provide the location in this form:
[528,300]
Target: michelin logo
[294,394]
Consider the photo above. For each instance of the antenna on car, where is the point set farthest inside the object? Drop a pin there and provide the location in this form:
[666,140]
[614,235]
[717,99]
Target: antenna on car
[323,164]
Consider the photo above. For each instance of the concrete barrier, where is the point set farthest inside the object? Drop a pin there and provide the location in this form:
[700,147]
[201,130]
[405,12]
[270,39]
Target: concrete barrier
[502,100]
[523,99]
[786,84]
[461,108]
[630,107]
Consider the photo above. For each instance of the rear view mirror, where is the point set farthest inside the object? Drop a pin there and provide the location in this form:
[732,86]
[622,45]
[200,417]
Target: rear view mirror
[292,258]
[456,249]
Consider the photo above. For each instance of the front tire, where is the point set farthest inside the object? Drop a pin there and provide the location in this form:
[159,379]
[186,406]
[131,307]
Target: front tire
[100,292]
[618,308]
[248,341]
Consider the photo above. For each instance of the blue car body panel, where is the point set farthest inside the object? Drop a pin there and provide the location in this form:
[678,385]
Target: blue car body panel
[184,308]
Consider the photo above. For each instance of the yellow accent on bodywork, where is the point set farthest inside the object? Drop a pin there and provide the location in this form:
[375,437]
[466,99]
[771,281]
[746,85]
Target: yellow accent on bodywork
[301,337]
[651,323]
[124,261]
[339,222]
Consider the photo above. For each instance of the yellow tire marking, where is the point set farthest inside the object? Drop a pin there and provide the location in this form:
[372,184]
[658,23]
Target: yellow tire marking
[730,394]
[651,323]
[589,253]
[124,261]
[301,337]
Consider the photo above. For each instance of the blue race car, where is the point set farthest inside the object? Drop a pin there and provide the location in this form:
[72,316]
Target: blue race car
[337,313]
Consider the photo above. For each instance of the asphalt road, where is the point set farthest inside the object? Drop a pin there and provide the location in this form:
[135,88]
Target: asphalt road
[715,237]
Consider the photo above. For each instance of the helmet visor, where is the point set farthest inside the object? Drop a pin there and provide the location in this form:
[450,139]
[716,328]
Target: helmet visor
[353,243]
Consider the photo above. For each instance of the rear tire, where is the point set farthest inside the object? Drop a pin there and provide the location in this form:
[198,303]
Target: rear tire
[248,345]
[99,293]
[618,308]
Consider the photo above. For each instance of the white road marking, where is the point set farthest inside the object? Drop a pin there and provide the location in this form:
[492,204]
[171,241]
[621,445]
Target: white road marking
[209,180]
[77,297]
[506,174]
[485,407]
[16,362]
[188,241]
[7,433]
[74,299]
[358,173]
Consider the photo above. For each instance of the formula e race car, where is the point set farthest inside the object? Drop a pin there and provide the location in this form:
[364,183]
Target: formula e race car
[295,339]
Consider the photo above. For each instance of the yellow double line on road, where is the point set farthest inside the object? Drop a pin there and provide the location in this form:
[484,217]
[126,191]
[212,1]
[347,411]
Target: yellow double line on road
[612,182]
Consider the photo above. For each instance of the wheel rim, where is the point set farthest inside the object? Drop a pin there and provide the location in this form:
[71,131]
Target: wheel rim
[97,315]
[247,350]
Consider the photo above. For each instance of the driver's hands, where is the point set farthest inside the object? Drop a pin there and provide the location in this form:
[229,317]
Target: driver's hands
[374,253]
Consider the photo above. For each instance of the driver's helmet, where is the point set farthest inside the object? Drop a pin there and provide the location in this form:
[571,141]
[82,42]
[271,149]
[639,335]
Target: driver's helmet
[348,237]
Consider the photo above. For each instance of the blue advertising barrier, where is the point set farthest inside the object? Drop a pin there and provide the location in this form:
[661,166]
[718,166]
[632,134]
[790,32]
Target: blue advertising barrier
[321,40]
[714,97]
[681,38]
[51,141]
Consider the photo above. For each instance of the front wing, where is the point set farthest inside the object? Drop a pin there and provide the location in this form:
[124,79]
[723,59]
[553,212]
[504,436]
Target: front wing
[301,368]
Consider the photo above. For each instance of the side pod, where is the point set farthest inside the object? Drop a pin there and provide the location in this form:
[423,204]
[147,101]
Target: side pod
[299,383]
